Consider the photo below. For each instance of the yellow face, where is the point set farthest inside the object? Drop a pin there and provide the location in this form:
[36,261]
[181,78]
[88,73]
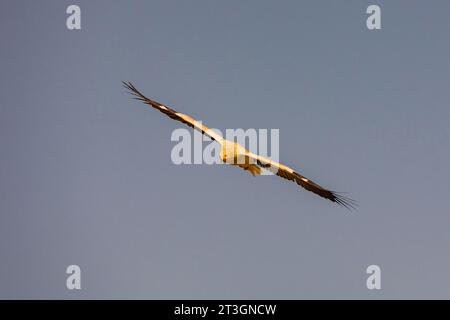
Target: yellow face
[233,153]
[228,152]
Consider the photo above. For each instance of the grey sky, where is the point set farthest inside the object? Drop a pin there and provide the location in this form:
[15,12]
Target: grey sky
[86,176]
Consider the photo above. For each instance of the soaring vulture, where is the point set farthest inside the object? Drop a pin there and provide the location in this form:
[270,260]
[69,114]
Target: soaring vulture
[235,154]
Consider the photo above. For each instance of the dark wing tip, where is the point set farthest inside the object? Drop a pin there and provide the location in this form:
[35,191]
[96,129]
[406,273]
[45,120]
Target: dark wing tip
[132,90]
[139,96]
[333,196]
[343,200]
[159,106]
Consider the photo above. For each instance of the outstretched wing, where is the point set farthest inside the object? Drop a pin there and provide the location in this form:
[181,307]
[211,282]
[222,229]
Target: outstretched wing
[289,174]
[262,162]
[172,113]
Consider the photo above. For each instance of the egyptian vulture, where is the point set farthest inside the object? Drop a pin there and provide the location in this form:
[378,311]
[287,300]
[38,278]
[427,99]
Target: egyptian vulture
[235,154]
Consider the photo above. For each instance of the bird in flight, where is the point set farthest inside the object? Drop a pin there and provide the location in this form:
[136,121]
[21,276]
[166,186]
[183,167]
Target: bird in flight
[235,154]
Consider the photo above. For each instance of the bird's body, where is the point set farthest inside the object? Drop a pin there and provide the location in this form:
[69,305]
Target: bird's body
[235,154]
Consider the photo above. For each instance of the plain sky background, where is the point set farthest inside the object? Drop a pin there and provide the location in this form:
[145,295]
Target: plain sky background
[86,176]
